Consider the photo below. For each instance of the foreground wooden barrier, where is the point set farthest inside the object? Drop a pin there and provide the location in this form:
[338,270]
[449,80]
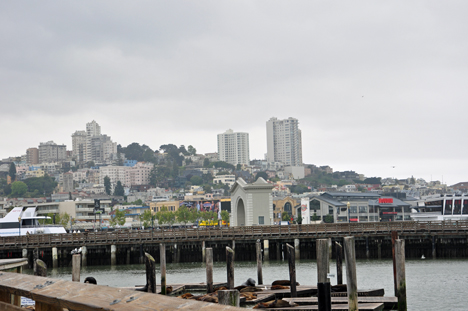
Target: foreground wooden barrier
[55,294]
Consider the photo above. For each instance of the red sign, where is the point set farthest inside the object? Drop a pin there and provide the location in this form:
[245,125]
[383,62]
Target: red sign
[386,200]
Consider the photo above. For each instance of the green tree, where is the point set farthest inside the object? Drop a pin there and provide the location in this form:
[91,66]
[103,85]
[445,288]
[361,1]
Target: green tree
[208,216]
[262,174]
[118,218]
[161,216]
[119,190]
[107,185]
[207,189]
[196,180]
[285,216]
[184,215]
[60,219]
[18,189]
[225,216]
[315,217]
[146,218]
[206,162]
[191,150]
[328,219]
[12,171]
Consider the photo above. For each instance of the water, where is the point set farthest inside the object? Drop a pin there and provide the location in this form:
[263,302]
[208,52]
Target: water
[431,284]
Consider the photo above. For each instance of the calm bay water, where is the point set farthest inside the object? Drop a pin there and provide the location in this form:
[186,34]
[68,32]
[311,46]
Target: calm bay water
[431,284]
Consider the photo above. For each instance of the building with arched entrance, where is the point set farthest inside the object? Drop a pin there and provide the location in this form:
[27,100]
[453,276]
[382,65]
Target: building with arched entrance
[284,205]
[251,204]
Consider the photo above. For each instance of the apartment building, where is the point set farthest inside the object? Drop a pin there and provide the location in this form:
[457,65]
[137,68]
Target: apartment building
[51,152]
[32,156]
[233,147]
[79,146]
[284,142]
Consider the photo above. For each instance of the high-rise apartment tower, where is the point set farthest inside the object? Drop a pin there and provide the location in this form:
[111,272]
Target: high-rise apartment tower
[233,147]
[284,143]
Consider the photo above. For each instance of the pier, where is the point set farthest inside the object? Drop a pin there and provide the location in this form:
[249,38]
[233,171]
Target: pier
[373,241]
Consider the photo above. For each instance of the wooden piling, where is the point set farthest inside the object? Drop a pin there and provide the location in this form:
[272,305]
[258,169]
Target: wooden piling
[394,237]
[339,263]
[35,257]
[350,258]
[76,267]
[230,267]
[209,270]
[266,250]
[433,247]
[292,269]
[203,251]
[322,260]
[41,268]
[162,263]
[259,263]
[114,255]
[54,258]
[229,297]
[297,248]
[150,265]
[379,250]
[324,296]
[128,256]
[400,274]
[84,256]
[367,247]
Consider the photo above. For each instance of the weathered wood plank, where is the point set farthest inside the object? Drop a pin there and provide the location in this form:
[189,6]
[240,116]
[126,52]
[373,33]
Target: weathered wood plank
[80,296]
[336,307]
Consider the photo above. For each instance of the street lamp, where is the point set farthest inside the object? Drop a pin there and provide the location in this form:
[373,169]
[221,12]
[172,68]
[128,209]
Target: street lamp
[349,214]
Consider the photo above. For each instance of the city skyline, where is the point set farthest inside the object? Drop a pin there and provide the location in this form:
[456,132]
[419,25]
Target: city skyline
[377,86]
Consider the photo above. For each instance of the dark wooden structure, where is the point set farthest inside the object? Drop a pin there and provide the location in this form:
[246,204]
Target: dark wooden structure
[372,240]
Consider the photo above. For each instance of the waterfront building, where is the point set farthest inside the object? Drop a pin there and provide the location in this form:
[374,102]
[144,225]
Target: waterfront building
[284,142]
[251,204]
[233,147]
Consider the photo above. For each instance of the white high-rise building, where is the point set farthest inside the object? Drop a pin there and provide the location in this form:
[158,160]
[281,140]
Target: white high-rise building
[92,130]
[284,143]
[233,147]
[91,145]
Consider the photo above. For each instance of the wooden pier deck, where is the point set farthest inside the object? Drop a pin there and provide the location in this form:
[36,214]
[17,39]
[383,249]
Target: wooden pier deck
[54,294]
[406,228]
[334,307]
[389,302]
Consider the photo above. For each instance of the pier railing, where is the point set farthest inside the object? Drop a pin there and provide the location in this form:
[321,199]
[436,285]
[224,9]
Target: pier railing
[236,233]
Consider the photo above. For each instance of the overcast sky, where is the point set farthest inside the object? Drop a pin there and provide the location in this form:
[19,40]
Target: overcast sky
[374,84]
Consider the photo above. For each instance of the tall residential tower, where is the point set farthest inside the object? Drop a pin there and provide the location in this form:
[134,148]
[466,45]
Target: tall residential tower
[284,143]
[233,147]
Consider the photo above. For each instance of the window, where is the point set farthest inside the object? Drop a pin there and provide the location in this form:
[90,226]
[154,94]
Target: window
[288,208]
[261,220]
[362,209]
